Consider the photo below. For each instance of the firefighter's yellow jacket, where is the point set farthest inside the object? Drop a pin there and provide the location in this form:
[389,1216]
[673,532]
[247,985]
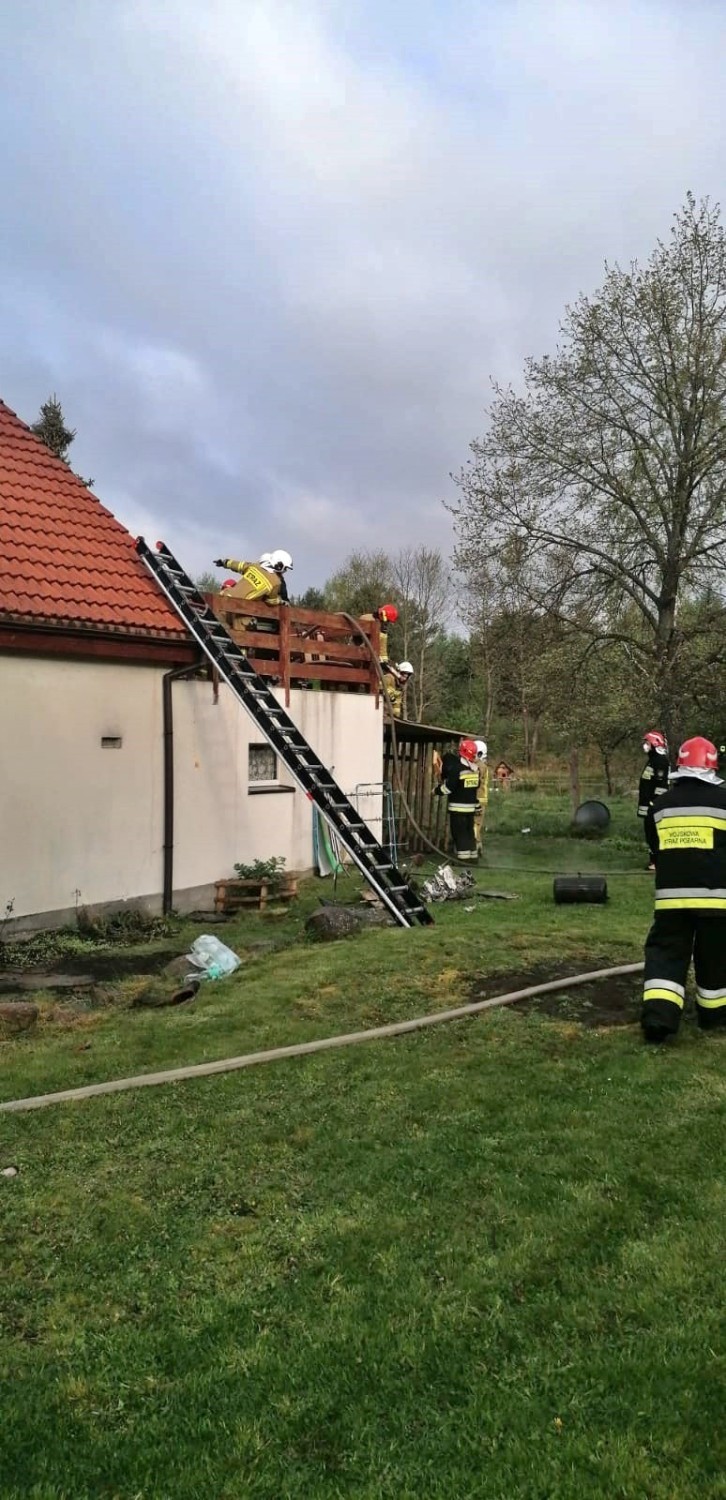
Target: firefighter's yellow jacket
[395,693]
[255,582]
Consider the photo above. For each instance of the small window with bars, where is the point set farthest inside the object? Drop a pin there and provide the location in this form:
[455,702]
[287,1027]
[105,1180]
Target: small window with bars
[261,764]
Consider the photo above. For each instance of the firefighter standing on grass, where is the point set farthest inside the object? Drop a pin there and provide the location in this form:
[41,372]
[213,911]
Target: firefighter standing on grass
[482,795]
[690,896]
[653,782]
[460,786]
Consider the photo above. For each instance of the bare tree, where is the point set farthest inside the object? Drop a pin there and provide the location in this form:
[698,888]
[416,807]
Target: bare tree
[609,473]
[423,594]
[364,582]
[416,581]
[208,583]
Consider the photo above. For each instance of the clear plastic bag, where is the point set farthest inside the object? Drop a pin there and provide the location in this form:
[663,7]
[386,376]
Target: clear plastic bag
[215,959]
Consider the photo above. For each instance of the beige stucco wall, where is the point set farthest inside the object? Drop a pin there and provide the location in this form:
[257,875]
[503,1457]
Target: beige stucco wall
[83,824]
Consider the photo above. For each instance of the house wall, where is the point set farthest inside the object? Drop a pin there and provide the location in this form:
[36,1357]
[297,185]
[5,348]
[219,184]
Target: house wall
[83,824]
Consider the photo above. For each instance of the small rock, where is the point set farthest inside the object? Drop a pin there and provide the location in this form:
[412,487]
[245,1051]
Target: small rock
[15,1016]
[9,1172]
[157,996]
[333,922]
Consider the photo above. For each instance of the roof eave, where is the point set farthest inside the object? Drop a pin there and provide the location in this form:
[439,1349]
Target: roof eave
[43,638]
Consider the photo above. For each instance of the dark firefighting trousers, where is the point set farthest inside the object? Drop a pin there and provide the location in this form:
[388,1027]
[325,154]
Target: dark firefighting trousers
[651,837]
[463,834]
[675,938]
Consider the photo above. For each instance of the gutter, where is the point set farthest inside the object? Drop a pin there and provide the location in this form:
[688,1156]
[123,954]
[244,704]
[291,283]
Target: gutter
[177,674]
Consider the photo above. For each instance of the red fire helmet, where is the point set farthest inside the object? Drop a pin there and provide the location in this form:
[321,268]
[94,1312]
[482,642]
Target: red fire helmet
[654,740]
[697,754]
[467,750]
[387,614]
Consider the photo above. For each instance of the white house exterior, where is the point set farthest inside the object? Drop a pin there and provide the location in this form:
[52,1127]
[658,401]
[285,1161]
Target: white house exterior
[82,750]
[83,785]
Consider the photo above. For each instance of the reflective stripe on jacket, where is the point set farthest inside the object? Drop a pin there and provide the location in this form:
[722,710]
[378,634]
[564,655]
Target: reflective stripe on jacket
[462,784]
[690,824]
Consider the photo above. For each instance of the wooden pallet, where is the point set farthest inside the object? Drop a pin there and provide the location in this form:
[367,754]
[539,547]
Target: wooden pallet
[235,895]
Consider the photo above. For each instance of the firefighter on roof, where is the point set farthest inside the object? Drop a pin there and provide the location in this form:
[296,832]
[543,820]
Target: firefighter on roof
[386,615]
[263,580]
[460,786]
[653,782]
[690,896]
[396,680]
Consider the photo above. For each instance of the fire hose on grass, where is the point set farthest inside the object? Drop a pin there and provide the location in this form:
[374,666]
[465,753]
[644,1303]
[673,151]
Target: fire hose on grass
[306,1049]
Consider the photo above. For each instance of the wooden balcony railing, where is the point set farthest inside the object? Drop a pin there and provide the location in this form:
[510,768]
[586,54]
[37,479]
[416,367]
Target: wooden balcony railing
[301,647]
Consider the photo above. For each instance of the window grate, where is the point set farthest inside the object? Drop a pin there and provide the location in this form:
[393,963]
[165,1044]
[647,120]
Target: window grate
[261,763]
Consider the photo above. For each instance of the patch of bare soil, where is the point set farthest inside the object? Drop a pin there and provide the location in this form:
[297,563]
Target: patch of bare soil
[605,1002]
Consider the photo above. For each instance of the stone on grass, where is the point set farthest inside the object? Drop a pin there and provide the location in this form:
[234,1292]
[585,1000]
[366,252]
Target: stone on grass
[161,993]
[177,968]
[16,1016]
[332,922]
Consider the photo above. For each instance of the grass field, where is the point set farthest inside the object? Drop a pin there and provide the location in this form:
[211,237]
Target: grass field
[481,1261]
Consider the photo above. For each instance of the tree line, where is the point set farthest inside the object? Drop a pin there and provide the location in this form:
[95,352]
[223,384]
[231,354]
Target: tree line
[590,528]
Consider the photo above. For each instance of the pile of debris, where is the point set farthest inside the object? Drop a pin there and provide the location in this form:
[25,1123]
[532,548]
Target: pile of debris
[446,886]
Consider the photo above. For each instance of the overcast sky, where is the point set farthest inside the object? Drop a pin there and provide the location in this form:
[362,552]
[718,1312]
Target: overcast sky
[270,255]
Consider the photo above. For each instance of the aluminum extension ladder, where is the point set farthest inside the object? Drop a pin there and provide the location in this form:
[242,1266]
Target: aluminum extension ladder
[285,738]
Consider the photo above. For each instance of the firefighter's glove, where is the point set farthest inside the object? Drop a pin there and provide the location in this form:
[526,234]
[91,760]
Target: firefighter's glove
[220,562]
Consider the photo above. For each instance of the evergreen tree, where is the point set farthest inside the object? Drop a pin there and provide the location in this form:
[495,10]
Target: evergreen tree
[50,427]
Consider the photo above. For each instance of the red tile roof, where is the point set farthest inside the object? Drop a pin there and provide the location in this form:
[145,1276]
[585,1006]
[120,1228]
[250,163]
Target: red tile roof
[64,559]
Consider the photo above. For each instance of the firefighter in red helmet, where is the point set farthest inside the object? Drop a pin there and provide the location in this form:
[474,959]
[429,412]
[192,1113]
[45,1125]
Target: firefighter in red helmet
[385,614]
[653,782]
[460,785]
[690,896]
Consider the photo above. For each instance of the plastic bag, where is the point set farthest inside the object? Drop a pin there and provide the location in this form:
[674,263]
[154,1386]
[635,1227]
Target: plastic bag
[214,958]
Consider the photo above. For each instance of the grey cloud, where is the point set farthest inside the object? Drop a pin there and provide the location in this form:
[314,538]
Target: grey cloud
[271,255]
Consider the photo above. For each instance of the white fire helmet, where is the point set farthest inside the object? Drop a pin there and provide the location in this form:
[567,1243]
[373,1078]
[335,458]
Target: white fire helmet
[481,749]
[265,559]
[405,667]
[281,561]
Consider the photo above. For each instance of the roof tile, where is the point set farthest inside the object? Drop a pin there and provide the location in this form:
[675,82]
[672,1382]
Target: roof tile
[64,558]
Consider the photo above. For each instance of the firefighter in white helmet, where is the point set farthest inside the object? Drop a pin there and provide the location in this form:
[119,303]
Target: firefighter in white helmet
[460,785]
[263,580]
[396,680]
[482,795]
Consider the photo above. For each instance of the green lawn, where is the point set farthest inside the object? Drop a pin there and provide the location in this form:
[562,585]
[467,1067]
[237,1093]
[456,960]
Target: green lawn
[482,1261]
